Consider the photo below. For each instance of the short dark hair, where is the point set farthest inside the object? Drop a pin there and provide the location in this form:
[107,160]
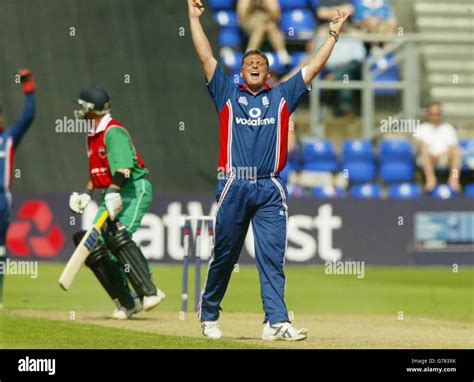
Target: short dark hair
[257,52]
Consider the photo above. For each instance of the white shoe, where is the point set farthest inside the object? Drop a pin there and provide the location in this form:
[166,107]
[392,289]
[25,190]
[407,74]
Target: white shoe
[283,331]
[211,329]
[123,313]
[149,302]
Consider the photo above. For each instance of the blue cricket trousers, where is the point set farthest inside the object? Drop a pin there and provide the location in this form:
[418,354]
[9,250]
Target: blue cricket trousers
[241,201]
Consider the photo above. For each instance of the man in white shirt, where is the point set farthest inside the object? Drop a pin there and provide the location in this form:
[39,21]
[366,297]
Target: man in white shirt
[439,146]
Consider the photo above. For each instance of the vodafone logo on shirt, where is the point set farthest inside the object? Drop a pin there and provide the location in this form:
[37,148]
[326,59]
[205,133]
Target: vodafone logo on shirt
[255,112]
[255,119]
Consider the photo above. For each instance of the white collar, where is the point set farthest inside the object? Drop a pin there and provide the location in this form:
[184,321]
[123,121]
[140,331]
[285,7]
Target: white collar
[103,123]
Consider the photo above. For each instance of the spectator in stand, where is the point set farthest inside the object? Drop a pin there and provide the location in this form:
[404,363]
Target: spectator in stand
[438,145]
[327,10]
[259,19]
[375,16]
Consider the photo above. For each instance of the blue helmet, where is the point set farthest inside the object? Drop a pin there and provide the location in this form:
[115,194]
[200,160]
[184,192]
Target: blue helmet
[93,99]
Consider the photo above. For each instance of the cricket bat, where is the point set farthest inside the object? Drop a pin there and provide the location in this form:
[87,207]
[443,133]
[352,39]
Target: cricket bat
[82,251]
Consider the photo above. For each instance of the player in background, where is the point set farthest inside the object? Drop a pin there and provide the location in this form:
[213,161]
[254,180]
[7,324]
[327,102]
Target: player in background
[10,138]
[254,120]
[118,171]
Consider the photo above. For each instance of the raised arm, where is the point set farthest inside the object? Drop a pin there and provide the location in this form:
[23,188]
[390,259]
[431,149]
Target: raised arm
[200,40]
[22,124]
[317,62]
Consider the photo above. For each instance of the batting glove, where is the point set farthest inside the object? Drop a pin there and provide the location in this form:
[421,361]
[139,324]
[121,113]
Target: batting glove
[113,202]
[78,202]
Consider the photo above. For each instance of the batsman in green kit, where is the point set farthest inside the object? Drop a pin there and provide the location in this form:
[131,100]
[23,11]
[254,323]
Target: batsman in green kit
[118,171]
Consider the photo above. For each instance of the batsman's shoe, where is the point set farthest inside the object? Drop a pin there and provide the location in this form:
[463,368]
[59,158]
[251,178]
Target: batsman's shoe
[211,329]
[122,313]
[138,305]
[149,302]
[283,331]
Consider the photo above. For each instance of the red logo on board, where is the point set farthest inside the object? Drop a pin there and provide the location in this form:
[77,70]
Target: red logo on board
[34,232]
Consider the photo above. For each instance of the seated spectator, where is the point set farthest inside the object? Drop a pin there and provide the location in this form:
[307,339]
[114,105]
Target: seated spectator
[259,19]
[375,16]
[327,9]
[438,146]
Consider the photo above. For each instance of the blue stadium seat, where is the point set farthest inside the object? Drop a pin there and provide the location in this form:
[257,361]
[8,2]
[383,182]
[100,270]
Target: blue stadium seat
[366,191]
[469,190]
[230,36]
[397,171]
[391,73]
[357,149]
[295,191]
[292,4]
[467,148]
[399,149]
[359,171]
[442,191]
[404,191]
[296,157]
[396,161]
[325,192]
[319,156]
[314,4]
[358,160]
[298,24]
[222,4]
[275,64]
[226,18]
[297,58]
[231,59]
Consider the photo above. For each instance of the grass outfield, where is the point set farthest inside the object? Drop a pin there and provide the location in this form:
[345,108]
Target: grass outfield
[340,311]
